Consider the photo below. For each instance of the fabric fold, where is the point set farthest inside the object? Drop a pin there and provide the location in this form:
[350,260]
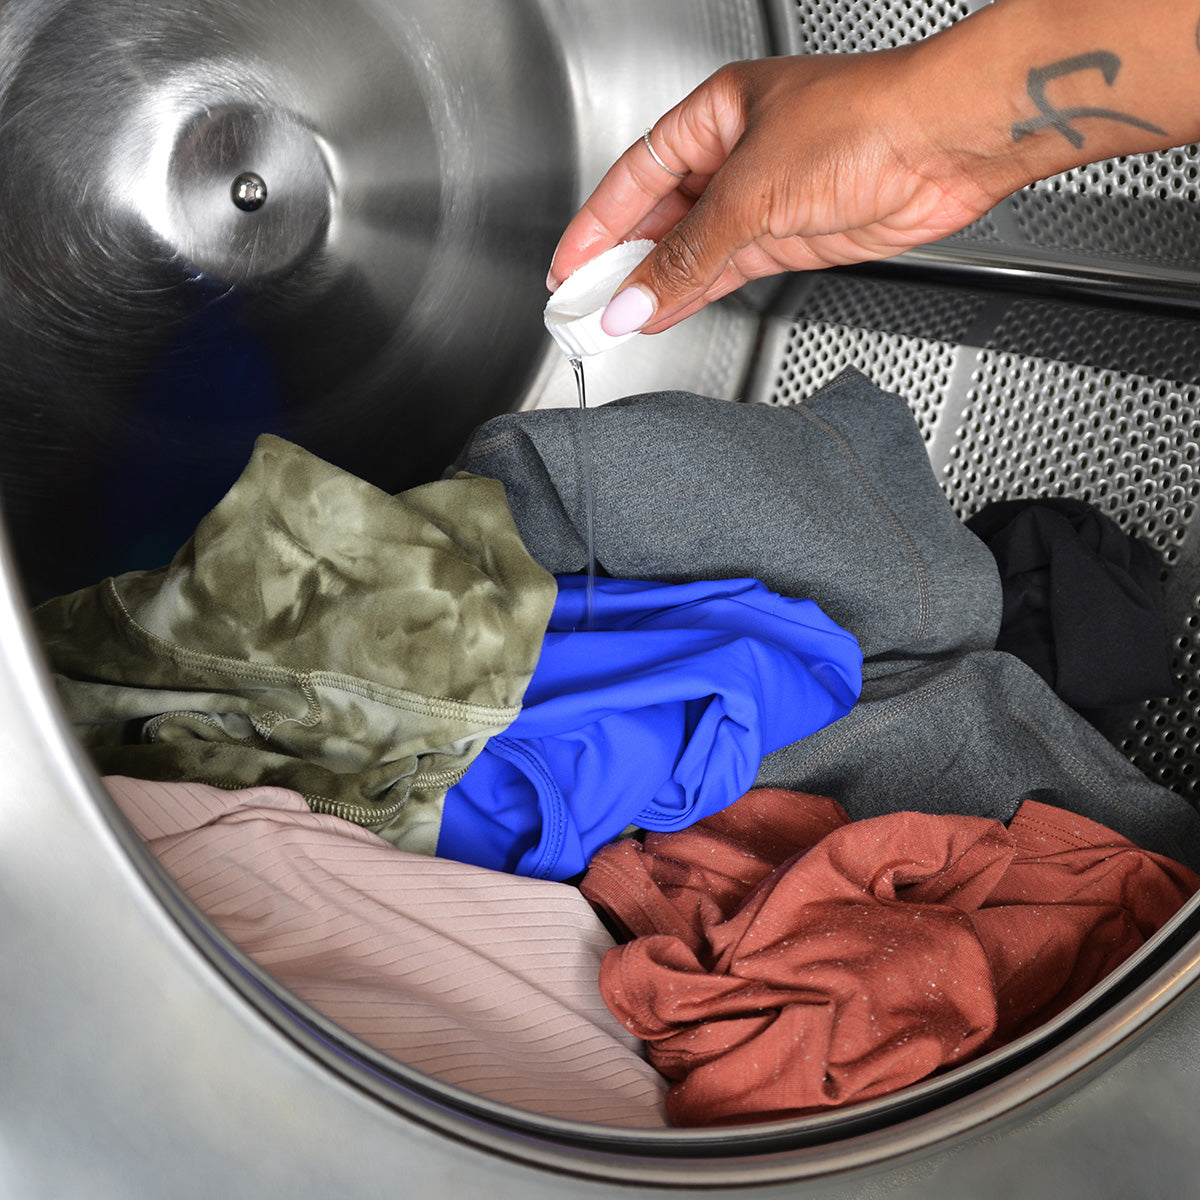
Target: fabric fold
[481,980]
[833,500]
[786,960]
[658,715]
[314,633]
[1083,600]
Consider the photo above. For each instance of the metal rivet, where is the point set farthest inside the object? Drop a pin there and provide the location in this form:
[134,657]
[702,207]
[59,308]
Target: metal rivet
[249,191]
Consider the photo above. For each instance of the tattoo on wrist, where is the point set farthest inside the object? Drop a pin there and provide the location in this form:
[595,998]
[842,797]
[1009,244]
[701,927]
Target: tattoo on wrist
[1107,64]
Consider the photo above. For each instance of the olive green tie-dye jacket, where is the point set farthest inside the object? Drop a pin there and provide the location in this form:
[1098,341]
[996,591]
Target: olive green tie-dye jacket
[314,633]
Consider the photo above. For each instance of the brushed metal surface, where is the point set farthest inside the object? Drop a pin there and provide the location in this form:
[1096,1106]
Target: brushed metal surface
[418,163]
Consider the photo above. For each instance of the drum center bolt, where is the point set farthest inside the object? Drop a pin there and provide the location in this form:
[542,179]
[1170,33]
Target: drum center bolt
[249,191]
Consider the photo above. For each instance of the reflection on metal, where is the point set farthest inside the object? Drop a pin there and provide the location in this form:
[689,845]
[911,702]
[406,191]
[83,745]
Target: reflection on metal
[383,300]
[259,1098]
[249,191]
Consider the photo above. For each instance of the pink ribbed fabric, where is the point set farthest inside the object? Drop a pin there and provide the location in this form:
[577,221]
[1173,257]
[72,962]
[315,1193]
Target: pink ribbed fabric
[484,980]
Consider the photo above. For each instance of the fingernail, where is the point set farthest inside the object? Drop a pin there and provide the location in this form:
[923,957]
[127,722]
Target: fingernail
[627,311]
[552,282]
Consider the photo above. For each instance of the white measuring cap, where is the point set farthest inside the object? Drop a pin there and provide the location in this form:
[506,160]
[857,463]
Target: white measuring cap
[573,313]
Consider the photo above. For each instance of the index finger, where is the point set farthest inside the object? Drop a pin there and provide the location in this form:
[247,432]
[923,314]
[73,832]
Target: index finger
[632,188]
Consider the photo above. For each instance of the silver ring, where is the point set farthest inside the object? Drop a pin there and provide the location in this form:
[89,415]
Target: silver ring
[654,155]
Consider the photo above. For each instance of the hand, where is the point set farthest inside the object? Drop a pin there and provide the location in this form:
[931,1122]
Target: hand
[792,164]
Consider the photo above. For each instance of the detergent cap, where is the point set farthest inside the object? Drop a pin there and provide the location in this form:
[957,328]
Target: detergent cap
[573,313]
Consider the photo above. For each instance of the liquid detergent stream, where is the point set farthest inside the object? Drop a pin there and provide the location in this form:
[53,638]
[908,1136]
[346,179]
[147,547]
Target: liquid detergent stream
[589,494]
[573,318]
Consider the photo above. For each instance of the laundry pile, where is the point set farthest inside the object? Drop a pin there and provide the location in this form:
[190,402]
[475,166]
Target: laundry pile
[828,839]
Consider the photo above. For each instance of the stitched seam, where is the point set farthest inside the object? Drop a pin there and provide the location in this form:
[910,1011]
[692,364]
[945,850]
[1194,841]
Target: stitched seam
[151,728]
[268,721]
[357,814]
[268,673]
[437,706]
[1064,757]
[364,814]
[620,900]
[842,739]
[1054,833]
[1078,768]
[555,824]
[496,440]
[176,653]
[922,578]
[444,779]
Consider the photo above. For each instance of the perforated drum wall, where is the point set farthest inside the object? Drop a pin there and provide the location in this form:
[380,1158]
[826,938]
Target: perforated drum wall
[1140,208]
[832,26]
[1022,398]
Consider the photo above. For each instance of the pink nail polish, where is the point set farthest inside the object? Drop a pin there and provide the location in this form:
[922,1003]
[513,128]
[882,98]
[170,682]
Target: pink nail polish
[627,311]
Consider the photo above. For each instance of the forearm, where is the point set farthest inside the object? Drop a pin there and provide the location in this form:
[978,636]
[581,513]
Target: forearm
[1026,88]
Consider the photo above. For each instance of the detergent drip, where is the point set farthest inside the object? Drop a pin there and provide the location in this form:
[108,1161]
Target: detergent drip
[573,316]
[589,495]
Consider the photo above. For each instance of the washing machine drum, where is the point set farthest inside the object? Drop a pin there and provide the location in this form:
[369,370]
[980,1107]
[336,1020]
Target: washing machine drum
[331,220]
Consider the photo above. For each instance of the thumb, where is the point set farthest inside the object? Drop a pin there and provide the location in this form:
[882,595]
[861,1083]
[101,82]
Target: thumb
[679,272]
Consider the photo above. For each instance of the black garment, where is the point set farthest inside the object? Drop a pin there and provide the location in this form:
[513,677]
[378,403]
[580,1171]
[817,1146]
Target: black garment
[1083,600]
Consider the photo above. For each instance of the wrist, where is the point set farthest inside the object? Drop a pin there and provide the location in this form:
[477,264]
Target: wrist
[1024,89]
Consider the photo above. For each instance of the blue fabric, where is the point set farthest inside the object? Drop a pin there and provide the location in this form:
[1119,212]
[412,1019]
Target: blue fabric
[657,716]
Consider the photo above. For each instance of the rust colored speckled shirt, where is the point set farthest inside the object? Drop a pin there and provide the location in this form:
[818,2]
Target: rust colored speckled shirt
[785,959]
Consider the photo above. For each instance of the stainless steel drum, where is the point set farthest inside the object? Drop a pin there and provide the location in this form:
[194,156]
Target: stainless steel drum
[329,219]
[332,219]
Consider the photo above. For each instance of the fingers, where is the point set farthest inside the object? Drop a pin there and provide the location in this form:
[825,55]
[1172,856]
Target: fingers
[636,198]
[654,184]
[752,263]
[794,163]
[665,215]
[656,319]
[683,272]
[664,188]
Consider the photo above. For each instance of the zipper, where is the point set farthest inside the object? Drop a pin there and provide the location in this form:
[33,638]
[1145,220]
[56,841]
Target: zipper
[370,815]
